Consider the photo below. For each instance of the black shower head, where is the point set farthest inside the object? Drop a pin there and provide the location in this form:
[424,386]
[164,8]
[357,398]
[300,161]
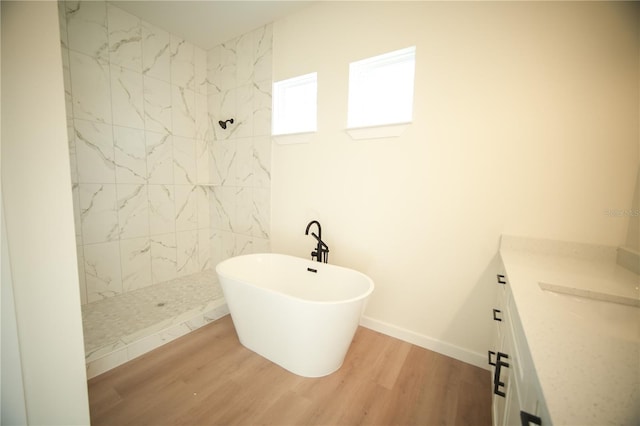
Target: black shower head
[223,124]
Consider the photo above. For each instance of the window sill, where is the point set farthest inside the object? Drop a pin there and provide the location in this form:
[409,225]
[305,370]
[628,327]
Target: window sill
[377,132]
[293,138]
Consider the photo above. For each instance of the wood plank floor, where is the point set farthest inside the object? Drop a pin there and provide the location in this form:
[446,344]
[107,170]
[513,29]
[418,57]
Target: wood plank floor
[208,378]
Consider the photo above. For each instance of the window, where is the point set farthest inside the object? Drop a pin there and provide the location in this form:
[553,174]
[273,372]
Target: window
[295,105]
[381,89]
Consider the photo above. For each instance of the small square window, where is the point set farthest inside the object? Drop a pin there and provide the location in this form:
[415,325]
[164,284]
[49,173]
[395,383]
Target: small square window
[295,105]
[381,89]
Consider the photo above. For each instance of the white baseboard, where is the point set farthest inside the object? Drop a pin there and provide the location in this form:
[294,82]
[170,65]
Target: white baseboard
[453,351]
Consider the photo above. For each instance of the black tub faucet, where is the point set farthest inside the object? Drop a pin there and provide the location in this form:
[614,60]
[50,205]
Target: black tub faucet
[321,253]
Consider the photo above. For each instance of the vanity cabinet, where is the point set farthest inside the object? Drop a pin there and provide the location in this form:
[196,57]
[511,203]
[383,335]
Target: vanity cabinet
[517,398]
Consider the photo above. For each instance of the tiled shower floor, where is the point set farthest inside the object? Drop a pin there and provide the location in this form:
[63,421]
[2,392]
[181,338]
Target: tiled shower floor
[120,328]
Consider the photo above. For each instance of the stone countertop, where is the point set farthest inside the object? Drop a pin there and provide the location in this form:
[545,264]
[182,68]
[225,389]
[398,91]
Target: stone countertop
[586,352]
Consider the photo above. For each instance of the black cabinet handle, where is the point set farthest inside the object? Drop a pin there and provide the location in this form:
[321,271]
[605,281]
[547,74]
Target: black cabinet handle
[496,377]
[526,419]
[496,311]
[491,353]
[501,279]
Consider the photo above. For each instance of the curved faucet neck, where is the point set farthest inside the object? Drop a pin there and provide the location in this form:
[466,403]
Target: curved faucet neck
[306,232]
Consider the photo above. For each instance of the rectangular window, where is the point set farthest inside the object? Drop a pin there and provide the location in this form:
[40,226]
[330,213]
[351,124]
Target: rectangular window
[295,105]
[381,89]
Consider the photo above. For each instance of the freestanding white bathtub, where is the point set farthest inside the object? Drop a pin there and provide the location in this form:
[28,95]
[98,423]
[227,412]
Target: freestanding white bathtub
[300,314]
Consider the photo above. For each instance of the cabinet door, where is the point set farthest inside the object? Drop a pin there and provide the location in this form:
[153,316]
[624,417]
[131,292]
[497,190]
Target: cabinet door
[505,378]
[523,371]
[498,373]
[534,404]
[513,400]
[500,327]
[517,388]
[542,412]
[512,406]
[498,408]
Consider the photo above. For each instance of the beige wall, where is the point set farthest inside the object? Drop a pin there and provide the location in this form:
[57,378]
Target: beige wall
[39,216]
[525,123]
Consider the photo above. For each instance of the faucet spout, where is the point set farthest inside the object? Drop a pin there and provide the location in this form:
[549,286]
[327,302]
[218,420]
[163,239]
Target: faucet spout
[306,232]
[321,253]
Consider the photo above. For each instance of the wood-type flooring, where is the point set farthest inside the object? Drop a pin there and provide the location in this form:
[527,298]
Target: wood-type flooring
[208,378]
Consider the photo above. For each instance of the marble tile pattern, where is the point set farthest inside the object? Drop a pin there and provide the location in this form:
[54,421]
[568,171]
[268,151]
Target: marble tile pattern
[160,190]
[120,328]
[239,86]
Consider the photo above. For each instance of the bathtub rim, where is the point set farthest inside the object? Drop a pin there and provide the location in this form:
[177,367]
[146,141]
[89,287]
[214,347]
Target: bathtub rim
[362,297]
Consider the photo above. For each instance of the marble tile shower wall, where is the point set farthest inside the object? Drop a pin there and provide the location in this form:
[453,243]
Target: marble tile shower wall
[143,153]
[239,86]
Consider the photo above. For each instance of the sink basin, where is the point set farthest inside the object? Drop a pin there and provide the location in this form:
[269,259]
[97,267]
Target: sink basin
[615,316]
[629,299]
